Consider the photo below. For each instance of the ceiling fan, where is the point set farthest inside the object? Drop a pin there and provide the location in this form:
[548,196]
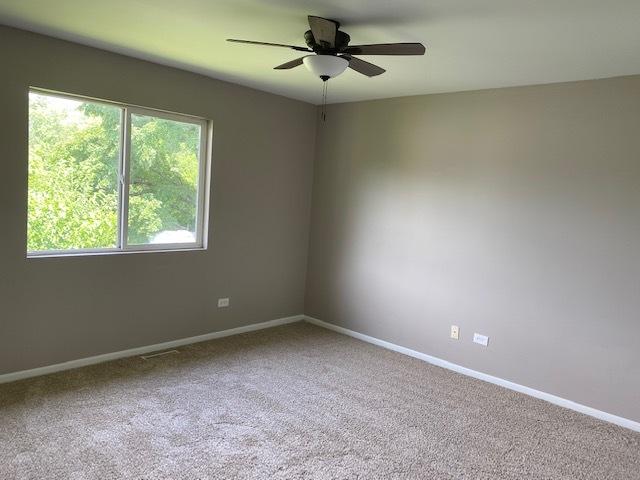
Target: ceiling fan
[331,54]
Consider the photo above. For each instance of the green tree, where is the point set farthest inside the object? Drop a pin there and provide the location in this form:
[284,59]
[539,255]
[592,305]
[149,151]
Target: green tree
[164,173]
[72,178]
[74,151]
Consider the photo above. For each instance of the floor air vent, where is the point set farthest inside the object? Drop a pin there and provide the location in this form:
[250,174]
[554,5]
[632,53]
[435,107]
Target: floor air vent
[151,355]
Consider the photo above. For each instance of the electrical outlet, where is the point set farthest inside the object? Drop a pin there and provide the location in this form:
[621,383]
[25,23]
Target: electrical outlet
[223,302]
[455,332]
[480,339]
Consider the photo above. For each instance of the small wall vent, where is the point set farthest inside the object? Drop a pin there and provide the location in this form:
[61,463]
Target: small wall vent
[152,355]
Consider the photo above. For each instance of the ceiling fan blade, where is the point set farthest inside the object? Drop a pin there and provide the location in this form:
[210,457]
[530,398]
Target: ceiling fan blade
[324,30]
[365,68]
[386,49]
[292,64]
[251,42]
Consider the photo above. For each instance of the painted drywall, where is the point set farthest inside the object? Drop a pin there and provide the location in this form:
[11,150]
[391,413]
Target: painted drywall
[58,309]
[514,213]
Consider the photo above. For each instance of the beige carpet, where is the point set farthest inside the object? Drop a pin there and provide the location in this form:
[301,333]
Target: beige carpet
[295,402]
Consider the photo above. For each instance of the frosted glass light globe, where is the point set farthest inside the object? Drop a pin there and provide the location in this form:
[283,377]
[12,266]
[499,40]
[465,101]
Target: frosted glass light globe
[325,66]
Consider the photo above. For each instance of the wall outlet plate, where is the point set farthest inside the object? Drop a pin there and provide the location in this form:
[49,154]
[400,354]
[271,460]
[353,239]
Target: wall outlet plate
[455,332]
[223,302]
[480,339]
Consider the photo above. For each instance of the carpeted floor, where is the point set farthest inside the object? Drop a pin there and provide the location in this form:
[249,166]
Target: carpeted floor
[295,402]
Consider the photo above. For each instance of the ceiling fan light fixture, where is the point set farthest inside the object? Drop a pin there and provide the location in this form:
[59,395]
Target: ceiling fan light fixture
[325,66]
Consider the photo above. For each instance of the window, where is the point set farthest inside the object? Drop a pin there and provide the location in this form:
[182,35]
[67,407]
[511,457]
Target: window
[107,177]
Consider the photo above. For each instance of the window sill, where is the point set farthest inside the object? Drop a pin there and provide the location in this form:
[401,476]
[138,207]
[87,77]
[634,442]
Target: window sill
[32,256]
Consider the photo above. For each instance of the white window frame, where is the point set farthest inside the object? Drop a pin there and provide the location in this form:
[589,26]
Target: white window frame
[124,169]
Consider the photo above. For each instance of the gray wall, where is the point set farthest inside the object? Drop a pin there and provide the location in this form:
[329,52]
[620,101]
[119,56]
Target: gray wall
[58,309]
[514,213]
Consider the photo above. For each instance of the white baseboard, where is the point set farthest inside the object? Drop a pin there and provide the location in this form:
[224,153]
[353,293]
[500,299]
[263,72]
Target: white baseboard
[59,367]
[82,362]
[608,417]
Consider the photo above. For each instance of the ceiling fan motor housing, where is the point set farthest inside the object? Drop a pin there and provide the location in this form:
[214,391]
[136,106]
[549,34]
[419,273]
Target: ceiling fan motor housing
[341,42]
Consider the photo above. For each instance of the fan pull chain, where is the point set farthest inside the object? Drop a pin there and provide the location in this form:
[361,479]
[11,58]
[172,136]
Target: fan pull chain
[324,101]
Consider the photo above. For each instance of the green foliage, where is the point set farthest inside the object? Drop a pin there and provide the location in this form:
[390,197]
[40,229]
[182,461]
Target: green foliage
[74,151]
[164,173]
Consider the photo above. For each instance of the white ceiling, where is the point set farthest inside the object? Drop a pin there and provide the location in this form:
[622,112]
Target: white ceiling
[471,44]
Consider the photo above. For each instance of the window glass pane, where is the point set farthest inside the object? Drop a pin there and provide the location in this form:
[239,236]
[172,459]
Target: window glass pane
[74,149]
[163,188]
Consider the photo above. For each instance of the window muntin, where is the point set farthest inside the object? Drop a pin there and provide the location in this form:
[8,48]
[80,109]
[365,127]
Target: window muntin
[106,177]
